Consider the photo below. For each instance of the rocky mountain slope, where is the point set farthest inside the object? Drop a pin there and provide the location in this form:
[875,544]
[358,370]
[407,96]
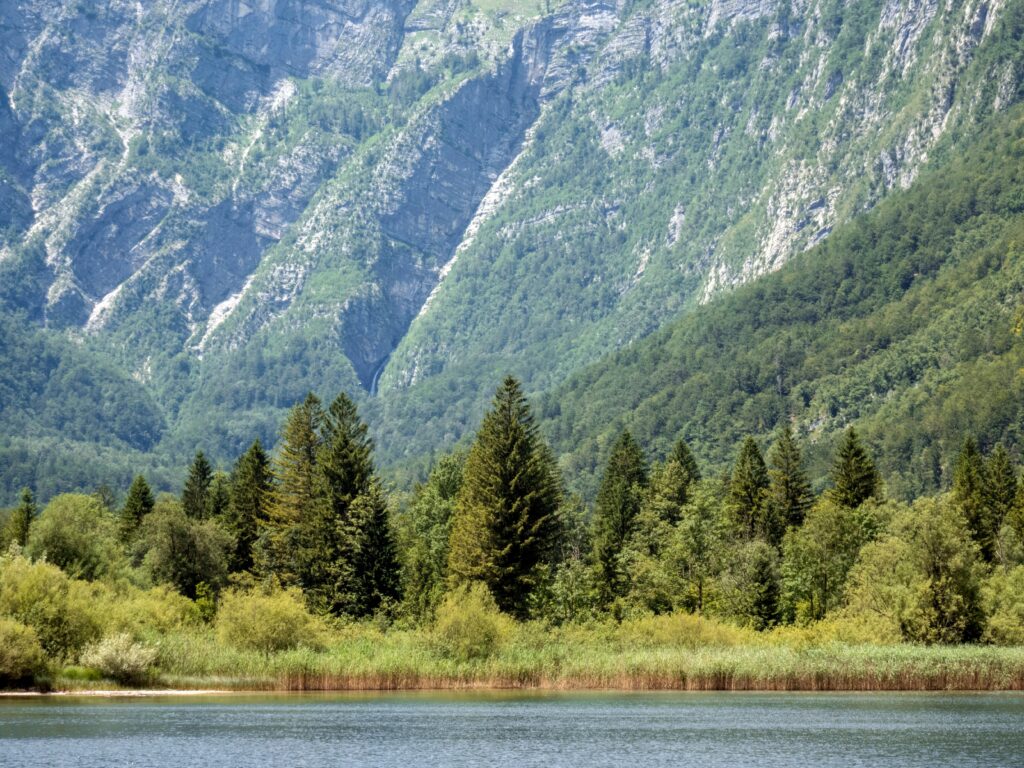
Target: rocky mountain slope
[228,204]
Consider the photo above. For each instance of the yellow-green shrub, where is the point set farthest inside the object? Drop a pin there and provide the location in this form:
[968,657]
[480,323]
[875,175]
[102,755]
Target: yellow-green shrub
[1002,596]
[120,658]
[469,624]
[268,622]
[21,655]
[61,611]
[684,630]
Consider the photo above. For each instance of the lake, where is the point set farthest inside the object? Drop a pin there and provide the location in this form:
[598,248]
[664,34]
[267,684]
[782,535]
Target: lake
[516,729]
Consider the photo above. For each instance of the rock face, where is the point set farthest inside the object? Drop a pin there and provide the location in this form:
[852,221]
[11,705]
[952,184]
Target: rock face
[425,193]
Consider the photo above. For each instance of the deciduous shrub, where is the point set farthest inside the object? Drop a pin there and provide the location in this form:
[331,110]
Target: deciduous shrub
[268,622]
[21,655]
[77,534]
[469,624]
[1002,595]
[120,658]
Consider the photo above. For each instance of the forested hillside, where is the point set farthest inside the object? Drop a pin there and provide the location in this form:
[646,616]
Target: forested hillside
[906,322]
[208,209]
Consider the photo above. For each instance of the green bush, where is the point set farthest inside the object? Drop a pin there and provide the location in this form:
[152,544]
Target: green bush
[21,655]
[268,622]
[1002,596]
[63,613]
[75,533]
[120,658]
[469,624]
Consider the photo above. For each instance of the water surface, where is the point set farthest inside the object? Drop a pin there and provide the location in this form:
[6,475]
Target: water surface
[518,730]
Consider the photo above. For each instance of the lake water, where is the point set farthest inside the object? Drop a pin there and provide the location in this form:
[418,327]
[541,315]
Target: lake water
[517,730]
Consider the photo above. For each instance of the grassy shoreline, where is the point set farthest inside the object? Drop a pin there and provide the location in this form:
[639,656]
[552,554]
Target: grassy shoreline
[398,666]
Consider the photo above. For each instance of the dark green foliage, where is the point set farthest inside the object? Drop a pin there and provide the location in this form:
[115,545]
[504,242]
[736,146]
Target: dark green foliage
[618,504]
[854,476]
[195,496]
[969,496]
[789,492]
[375,561]
[748,489]
[220,496]
[183,551]
[506,524]
[137,505]
[16,529]
[1000,489]
[250,498]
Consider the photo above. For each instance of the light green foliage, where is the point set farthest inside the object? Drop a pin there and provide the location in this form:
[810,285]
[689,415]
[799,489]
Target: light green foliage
[21,656]
[469,625]
[267,622]
[423,531]
[41,596]
[698,544]
[1002,595]
[922,576]
[78,535]
[820,554]
[121,658]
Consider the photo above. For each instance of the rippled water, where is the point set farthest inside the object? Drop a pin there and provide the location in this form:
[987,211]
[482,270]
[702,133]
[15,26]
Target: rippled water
[607,729]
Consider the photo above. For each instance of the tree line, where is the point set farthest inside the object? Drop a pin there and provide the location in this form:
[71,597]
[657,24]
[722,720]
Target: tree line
[754,545]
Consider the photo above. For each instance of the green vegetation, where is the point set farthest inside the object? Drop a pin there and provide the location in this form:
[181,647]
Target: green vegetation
[489,575]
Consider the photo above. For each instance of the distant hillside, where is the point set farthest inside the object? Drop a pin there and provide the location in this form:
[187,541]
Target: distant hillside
[907,322]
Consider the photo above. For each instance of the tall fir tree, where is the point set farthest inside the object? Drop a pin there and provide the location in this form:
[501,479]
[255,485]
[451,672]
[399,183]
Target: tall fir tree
[854,476]
[969,486]
[295,494]
[789,491]
[619,500]
[506,523]
[195,496]
[137,505]
[1000,489]
[20,522]
[376,556]
[683,456]
[220,496]
[247,514]
[748,488]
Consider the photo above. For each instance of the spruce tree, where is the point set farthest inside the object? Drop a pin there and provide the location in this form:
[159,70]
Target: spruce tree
[137,505]
[376,557]
[295,495]
[969,496]
[506,522]
[619,500]
[220,496]
[748,488]
[682,455]
[1000,489]
[789,492]
[195,497]
[247,514]
[854,476]
[764,590]
[18,524]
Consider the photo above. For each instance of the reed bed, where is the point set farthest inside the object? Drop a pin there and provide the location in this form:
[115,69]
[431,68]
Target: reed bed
[587,659]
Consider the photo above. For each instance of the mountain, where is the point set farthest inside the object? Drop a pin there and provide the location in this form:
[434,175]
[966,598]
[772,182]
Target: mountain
[208,208]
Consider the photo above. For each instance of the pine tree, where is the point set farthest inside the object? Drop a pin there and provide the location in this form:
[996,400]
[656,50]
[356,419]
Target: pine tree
[854,476]
[619,500]
[137,505]
[220,496]
[247,514]
[195,497]
[294,499]
[969,496]
[506,521]
[1000,489]
[18,524]
[682,455]
[748,487]
[789,492]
